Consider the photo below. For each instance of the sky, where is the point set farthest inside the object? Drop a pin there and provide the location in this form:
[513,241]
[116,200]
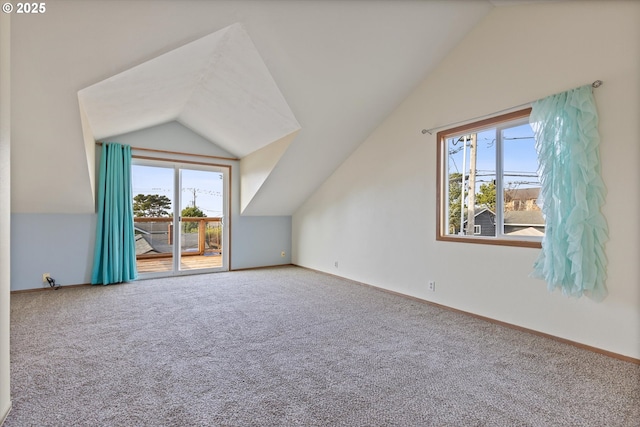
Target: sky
[519,161]
[208,186]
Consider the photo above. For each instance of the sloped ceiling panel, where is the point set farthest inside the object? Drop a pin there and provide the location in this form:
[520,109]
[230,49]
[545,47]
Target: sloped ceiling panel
[218,86]
[257,166]
[236,103]
[152,93]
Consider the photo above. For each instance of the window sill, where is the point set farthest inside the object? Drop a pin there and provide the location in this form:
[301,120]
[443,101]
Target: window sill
[491,241]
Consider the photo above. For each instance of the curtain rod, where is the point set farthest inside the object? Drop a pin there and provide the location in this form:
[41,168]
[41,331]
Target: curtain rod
[594,85]
[177,152]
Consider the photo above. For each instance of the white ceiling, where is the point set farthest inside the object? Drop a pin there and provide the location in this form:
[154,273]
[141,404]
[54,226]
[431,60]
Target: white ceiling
[334,69]
[218,86]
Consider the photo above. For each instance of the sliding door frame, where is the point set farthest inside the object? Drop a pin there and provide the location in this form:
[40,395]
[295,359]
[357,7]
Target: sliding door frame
[177,166]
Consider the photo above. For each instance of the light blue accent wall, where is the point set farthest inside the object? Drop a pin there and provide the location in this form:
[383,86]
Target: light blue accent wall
[259,240]
[63,245]
[59,244]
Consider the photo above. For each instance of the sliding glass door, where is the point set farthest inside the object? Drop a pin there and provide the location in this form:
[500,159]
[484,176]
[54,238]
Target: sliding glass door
[180,213]
[202,214]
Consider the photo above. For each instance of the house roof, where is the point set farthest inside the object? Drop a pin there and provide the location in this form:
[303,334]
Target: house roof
[532,217]
[529,231]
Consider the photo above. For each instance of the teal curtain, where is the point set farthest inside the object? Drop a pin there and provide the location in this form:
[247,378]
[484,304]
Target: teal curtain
[567,141]
[115,254]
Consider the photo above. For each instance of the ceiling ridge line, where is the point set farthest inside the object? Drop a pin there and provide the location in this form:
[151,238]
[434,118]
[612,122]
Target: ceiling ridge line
[204,70]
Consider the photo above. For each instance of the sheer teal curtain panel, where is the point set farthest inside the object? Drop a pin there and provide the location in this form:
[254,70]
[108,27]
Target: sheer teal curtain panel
[115,253]
[567,141]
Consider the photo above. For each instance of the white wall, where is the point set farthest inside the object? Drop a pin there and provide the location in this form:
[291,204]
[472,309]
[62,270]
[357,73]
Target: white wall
[376,214]
[5,213]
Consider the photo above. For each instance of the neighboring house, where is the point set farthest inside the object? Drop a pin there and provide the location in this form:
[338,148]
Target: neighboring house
[522,214]
[484,224]
[524,223]
[143,246]
[521,199]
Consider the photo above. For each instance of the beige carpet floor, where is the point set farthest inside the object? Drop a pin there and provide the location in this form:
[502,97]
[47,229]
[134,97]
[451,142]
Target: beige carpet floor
[292,347]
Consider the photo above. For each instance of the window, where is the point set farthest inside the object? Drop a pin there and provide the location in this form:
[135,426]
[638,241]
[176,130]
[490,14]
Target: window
[488,183]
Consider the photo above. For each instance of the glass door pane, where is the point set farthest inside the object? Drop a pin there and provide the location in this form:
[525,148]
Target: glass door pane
[153,193]
[202,213]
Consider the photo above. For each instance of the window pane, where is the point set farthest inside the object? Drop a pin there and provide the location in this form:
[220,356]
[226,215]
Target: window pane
[485,184]
[471,184]
[521,184]
[153,223]
[454,186]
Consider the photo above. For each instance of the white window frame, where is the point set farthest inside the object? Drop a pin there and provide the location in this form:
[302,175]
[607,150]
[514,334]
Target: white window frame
[176,166]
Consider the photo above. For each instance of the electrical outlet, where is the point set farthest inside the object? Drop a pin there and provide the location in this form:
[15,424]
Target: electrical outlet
[282,254]
[432,286]
[336,264]
[44,277]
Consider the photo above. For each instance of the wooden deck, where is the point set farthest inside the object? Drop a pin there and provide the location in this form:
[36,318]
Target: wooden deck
[190,262]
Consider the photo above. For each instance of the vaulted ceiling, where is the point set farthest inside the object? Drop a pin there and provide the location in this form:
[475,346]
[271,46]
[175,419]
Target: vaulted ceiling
[218,86]
[307,80]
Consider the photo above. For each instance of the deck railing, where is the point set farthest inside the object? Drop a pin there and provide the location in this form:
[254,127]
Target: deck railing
[199,235]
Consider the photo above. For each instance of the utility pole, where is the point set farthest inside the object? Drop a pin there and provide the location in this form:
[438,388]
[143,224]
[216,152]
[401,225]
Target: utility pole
[471,210]
[464,171]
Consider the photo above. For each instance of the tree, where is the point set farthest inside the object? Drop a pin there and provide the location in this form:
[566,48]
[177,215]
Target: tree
[151,205]
[455,202]
[191,212]
[487,196]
